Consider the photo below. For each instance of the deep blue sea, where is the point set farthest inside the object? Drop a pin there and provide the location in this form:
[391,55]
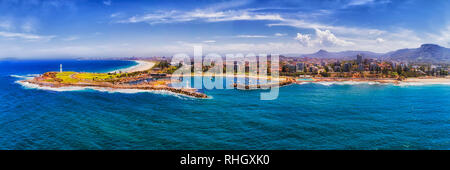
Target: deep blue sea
[307,116]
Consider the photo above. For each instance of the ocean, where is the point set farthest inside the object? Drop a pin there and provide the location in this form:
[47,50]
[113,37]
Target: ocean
[306,116]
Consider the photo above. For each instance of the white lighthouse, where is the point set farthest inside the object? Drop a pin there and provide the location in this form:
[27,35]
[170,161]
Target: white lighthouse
[60,68]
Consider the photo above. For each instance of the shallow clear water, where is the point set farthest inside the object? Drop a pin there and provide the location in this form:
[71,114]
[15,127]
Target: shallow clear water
[306,116]
[304,79]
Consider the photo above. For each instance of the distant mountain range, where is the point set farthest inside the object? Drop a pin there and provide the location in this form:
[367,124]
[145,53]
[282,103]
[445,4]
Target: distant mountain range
[430,53]
[425,53]
[342,54]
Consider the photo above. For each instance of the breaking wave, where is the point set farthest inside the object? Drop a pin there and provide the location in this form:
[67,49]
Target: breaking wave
[376,83]
[28,76]
[403,84]
[348,83]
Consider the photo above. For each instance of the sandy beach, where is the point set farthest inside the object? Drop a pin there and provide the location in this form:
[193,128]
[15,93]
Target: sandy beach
[428,80]
[141,66]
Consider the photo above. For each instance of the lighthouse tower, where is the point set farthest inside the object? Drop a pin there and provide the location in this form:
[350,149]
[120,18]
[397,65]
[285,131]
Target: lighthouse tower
[60,68]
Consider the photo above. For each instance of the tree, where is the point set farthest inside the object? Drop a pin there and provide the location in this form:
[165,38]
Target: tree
[163,64]
[325,74]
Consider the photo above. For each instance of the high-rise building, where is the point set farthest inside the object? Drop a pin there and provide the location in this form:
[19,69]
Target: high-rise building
[359,59]
[347,67]
[300,67]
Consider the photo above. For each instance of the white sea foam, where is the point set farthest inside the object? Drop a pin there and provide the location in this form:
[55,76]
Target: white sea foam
[325,83]
[329,83]
[17,76]
[134,91]
[302,83]
[28,85]
[111,90]
[28,76]
[403,84]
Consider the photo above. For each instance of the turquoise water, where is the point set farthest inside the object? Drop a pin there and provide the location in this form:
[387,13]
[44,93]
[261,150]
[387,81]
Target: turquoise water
[304,79]
[306,116]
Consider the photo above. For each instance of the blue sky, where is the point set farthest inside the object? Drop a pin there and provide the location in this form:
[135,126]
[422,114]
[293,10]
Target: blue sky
[120,28]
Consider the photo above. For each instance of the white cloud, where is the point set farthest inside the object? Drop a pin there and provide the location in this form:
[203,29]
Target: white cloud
[29,25]
[442,37]
[114,15]
[326,35]
[398,38]
[24,36]
[304,39]
[266,47]
[174,16]
[327,39]
[71,38]
[229,4]
[247,16]
[359,2]
[107,2]
[401,34]
[208,15]
[28,28]
[323,39]
[6,25]
[251,36]
[333,37]
[352,3]
[209,41]
[380,40]
[336,29]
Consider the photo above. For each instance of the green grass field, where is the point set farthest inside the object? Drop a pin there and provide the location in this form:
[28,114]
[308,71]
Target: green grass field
[65,77]
[74,77]
[95,76]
